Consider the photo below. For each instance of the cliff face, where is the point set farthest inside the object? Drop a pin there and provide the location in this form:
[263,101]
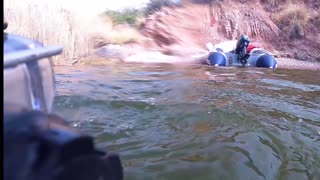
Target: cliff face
[193,25]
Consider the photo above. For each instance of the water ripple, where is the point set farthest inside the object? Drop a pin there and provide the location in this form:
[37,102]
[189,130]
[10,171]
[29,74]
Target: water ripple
[198,122]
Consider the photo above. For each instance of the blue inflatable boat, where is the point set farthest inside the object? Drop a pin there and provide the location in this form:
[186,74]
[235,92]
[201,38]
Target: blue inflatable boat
[257,57]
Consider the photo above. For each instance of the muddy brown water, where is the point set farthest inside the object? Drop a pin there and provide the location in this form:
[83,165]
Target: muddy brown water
[198,122]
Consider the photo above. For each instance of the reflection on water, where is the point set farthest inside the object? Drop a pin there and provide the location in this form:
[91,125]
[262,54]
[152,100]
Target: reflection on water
[198,122]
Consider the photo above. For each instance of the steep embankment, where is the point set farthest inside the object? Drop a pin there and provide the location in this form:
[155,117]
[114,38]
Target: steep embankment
[176,31]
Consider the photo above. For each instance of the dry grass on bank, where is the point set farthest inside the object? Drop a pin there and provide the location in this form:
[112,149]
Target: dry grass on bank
[52,24]
[124,34]
[273,3]
[293,20]
[317,21]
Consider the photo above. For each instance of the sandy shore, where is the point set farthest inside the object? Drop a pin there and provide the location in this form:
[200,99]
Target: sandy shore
[288,63]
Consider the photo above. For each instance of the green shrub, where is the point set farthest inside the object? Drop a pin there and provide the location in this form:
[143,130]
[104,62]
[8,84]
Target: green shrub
[128,16]
[156,5]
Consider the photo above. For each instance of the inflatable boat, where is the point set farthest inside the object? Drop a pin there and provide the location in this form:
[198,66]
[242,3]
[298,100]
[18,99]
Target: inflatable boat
[28,73]
[242,55]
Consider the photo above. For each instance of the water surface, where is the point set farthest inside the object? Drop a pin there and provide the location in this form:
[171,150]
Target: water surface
[198,122]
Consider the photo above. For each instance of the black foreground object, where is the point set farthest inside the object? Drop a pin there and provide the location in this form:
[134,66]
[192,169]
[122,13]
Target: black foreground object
[40,146]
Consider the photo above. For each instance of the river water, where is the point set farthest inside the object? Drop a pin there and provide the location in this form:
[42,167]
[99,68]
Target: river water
[198,122]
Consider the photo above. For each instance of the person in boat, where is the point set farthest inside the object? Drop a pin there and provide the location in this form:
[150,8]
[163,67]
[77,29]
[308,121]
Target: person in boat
[244,49]
[239,53]
[39,145]
[241,48]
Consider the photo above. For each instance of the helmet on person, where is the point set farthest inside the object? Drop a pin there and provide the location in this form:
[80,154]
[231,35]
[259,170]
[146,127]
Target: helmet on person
[243,41]
[241,48]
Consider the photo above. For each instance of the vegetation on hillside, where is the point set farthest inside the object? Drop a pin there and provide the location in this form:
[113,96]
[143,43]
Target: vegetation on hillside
[131,16]
[273,3]
[125,26]
[156,5]
[293,20]
[127,16]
